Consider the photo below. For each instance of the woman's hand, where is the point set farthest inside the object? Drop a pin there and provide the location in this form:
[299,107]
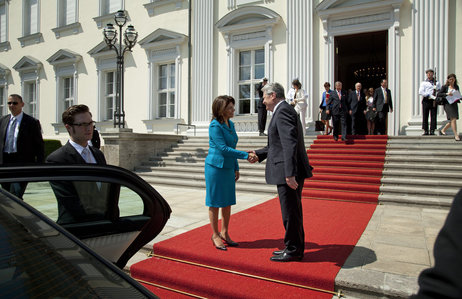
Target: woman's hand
[236,176]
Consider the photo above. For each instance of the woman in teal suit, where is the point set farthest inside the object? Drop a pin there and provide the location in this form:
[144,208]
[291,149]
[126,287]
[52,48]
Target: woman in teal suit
[222,169]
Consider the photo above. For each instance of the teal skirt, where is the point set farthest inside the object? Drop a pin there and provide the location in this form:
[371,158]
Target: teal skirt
[220,187]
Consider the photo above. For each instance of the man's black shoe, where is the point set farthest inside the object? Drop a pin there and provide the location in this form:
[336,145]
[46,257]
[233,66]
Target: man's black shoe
[278,252]
[344,139]
[285,257]
[262,134]
[335,138]
[425,133]
[432,132]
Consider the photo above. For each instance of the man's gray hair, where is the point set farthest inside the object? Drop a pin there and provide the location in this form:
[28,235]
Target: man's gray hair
[276,88]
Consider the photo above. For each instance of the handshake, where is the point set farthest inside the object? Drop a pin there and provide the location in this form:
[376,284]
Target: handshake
[252,158]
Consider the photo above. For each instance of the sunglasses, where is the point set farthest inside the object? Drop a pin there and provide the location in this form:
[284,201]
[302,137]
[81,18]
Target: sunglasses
[90,124]
[13,103]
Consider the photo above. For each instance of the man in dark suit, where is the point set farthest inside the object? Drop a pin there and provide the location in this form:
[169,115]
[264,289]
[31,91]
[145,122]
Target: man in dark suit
[382,104]
[262,113]
[287,167]
[20,140]
[338,108]
[355,98]
[78,201]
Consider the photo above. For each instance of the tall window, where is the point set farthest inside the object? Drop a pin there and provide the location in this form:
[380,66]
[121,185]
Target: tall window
[2,101]
[251,71]
[110,95]
[3,23]
[31,17]
[31,98]
[68,92]
[166,90]
[110,6]
[67,12]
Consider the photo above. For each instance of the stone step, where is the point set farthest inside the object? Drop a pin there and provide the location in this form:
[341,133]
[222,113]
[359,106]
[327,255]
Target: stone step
[240,186]
[441,181]
[416,200]
[419,190]
[436,172]
[422,166]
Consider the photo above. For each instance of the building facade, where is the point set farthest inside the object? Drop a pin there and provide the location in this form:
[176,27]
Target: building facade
[188,52]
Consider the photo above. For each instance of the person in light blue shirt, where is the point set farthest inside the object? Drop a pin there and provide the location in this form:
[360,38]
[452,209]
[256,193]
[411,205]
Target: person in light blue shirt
[222,169]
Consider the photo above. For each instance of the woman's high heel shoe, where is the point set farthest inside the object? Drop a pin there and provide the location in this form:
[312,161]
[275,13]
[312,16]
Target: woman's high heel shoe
[442,132]
[229,241]
[219,247]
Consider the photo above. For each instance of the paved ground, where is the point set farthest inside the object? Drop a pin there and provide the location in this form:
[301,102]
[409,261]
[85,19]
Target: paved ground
[395,247]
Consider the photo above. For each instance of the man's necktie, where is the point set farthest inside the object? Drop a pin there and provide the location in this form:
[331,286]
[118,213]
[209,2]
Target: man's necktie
[339,97]
[10,137]
[357,95]
[86,155]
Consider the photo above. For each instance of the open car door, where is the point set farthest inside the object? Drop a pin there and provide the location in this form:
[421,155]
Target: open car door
[110,209]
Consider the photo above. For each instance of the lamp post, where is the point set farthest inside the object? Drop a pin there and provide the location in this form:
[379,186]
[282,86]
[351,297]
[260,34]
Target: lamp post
[110,37]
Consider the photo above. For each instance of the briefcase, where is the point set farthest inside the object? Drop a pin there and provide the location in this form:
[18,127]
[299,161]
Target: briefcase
[319,126]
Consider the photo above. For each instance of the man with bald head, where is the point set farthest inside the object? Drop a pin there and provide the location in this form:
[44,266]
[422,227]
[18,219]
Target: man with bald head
[356,107]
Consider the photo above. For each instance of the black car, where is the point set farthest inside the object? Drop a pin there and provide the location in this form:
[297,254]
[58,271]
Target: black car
[74,229]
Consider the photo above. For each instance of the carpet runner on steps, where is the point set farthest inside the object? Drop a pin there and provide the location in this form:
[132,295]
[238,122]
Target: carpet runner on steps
[346,170]
[189,262]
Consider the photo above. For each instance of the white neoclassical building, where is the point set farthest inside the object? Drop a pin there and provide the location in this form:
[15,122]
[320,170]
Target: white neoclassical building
[52,53]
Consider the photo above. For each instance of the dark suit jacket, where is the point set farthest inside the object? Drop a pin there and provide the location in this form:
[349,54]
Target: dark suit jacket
[260,95]
[337,105]
[444,280]
[76,200]
[29,143]
[354,104]
[67,154]
[379,101]
[286,152]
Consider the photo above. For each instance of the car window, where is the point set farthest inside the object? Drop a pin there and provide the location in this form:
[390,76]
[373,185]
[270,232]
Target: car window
[68,202]
[39,261]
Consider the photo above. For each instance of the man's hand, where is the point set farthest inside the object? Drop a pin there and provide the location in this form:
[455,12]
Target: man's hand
[236,176]
[351,112]
[252,158]
[292,182]
[328,111]
[373,109]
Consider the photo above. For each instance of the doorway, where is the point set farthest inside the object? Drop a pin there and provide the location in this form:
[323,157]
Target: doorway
[361,58]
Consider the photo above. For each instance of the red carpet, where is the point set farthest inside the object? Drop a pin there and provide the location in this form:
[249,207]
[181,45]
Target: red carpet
[346,170]
[336,206]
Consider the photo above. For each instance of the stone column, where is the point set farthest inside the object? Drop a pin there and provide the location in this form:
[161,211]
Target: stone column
[430,48]
[202,61]
[300,51]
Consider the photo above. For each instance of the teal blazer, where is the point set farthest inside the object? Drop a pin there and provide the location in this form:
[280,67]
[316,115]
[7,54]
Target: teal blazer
[222,144]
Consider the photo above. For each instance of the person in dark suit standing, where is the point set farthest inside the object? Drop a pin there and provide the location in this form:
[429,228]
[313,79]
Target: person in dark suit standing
[338,108]
[78,201]
[287,167]
[356,107]
[444,279]
[262,113]
[20,140]
[382,104]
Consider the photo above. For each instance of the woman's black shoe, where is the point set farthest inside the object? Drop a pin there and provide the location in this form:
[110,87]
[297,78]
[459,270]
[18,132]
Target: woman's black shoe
[229,242]
[220,247]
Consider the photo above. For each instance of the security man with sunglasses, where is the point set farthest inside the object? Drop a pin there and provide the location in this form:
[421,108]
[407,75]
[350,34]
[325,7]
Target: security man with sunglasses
[20,140]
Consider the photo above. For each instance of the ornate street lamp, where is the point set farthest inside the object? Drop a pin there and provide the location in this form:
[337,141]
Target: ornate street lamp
[110,37]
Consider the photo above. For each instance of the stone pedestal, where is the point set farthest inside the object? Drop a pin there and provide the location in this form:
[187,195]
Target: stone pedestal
[126,149]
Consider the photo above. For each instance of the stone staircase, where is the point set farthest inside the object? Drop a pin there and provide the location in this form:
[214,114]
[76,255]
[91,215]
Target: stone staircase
[424,171]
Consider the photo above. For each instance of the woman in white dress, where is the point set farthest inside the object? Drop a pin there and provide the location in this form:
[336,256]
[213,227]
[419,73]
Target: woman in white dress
[299,102]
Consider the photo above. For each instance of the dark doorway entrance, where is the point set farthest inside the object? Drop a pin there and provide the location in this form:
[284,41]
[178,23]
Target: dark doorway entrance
[361,58]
